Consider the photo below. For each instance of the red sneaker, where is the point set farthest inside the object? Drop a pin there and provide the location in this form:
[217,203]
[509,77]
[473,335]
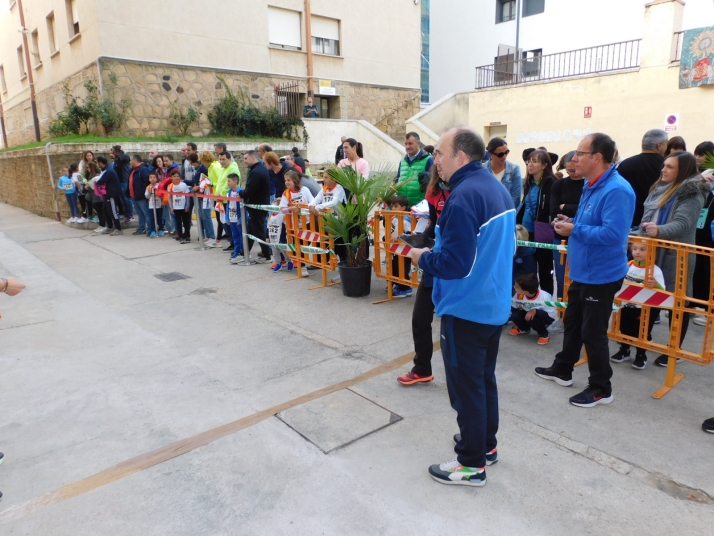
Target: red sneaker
[516,331]
[410,379]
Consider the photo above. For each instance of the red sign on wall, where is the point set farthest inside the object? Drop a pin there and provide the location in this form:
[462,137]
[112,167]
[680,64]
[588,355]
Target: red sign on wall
[588,112]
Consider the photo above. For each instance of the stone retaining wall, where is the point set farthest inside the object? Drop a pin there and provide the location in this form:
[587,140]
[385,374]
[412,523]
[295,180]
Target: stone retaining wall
[25,179]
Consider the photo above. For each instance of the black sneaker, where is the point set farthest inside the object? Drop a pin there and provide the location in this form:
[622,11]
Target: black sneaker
[561,378]
[229,247]
[640,361]
[491,457]
[454,473]
[708,425]
[662,360]
[621,355]
[2,458]
[590,398]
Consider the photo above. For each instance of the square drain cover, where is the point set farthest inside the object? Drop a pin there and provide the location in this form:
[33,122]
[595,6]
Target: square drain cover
[336,420]
[171,276]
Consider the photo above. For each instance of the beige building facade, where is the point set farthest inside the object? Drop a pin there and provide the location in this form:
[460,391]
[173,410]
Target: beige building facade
[365,57]
[559,113]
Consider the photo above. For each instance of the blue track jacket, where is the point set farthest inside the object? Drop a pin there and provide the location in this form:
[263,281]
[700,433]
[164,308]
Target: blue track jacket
[597,249]
[472,261]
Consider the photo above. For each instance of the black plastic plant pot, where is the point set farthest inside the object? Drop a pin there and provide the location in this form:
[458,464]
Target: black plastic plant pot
[356,281]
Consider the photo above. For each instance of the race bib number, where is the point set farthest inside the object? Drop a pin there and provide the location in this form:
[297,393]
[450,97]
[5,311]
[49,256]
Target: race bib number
[327,197]
[702,218]
[274,233]
[67,186]
[179,202]
[154,201]
[233,215]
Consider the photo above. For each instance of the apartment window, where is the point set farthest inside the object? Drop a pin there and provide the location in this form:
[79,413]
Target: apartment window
[72,17]
[21,62]
[35,40]
[325,36]
[284,28]
[530,66]
[3,85]
[533,7]
[505,10]
[51,32]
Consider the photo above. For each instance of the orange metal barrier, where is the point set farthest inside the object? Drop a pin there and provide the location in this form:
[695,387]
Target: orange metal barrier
[305,232]
[678,303]
[387,247]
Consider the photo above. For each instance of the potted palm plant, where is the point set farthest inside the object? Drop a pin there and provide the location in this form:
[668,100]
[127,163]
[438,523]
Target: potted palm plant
[349,223]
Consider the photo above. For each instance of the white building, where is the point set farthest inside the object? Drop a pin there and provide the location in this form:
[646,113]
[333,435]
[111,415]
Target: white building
[465,34]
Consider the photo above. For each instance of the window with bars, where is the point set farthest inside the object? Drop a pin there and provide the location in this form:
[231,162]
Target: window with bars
[325,35]
[284,28]
[505,10]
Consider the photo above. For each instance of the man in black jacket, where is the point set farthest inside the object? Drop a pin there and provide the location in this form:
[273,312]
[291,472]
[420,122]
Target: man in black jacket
[122,167]
[138,181]
[644,169]
[113,197]
[298,159]
[256,192]
[340,154]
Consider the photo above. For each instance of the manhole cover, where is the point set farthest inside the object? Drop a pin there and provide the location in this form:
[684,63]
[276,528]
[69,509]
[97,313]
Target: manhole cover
[171,276]
[337,420]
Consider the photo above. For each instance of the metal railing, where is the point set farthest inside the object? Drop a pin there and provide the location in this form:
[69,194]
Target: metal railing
[600,59]
[679,39]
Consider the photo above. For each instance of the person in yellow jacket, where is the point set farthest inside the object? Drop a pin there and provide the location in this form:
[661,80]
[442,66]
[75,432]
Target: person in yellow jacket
[226,166]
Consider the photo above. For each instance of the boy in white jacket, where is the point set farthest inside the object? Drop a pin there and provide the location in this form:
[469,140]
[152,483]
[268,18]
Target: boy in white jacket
[630,313]
[527,316]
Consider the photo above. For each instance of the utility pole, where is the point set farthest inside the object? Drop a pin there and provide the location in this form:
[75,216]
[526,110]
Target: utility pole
[28,68]
[517,55]
[308,43]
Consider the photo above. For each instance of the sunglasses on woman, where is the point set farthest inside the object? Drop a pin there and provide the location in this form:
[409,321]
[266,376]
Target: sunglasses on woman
[501,155]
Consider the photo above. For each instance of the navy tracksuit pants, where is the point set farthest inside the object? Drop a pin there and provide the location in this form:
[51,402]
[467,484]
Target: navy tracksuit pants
[470,350]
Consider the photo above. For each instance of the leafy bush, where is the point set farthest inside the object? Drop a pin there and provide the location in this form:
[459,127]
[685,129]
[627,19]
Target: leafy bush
[77,115]
[183,121]
[235,115]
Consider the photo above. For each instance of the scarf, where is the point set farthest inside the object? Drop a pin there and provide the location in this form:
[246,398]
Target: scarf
[652,207]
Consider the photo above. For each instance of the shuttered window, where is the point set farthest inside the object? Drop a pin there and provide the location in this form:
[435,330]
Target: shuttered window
[284,28]
[325,28]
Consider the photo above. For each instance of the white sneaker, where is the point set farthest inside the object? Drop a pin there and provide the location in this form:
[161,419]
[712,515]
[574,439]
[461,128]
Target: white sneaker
[106,230]
[72,220]
[99,229]
[700,320]
[213,244]
[82,220]
[305,272]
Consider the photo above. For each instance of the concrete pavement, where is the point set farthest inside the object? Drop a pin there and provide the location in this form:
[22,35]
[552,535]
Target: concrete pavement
[103,362]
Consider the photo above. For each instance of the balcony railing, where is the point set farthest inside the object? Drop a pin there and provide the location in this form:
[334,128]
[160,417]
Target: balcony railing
[600,59]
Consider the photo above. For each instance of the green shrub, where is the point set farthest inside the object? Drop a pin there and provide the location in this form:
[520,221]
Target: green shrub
[235,115]
[183,121]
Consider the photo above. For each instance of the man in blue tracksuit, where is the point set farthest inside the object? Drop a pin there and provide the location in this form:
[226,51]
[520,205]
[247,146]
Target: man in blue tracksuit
[471,264]
[597,254]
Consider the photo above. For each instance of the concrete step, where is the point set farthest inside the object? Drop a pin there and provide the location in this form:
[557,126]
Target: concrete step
[90,226]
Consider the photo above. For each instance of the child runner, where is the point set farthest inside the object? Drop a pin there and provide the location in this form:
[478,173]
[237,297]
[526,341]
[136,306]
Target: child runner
[400,203]
[630,313]
[69,188]
[330,195]
[155,206]
[205,187]
[179,206]
[526,316]
[233,219]
[294,195]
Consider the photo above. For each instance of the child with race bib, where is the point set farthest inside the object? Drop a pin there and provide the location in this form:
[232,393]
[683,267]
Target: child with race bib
[536,315]
[68,186]
[156,209]
[232,215]
[294,195]
[630,313]
[179,207]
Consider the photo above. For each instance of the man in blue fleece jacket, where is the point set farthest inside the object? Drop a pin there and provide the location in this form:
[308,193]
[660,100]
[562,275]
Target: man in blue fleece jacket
[597,254]
[471,264]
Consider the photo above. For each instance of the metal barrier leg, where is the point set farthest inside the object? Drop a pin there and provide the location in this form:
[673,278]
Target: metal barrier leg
[200,224]
[325,281]
[390,294]
[671,379]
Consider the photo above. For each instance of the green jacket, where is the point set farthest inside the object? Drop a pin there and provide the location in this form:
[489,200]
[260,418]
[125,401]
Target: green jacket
[221,185]
[421,164]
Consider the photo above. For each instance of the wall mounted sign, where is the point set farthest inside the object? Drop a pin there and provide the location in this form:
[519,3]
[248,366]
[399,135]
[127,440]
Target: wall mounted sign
[671,122]
[588,113]
[327,87]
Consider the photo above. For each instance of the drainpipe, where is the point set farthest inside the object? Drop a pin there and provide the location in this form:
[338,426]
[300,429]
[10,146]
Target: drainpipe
[2,126]
[518,41]
[52,182]
[308,43]
[28,67]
